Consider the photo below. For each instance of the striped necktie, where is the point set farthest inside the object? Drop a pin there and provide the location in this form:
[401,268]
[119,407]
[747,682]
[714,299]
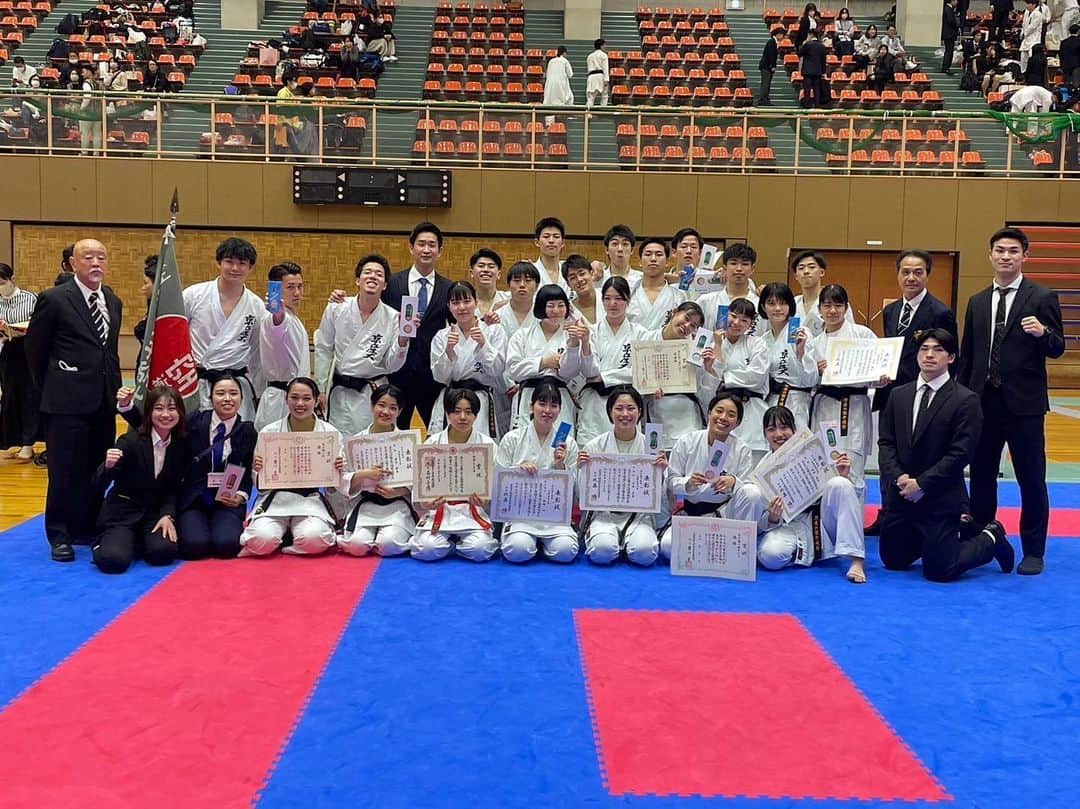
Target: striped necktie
[98,318]
[905,318]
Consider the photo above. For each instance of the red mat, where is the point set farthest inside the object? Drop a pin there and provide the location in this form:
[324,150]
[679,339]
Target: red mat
[226,655]
[735,705]
[1064,522]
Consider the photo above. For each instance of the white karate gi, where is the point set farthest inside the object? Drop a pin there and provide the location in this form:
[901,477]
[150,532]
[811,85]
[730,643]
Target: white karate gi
[482,365]
[508,319]
[501,296]
[546,279]
[811,320]
[633,278]
[1070,15]
[219,342]
[284,354]
[691,454]
[611,360]
[519,539]
[1031,27]
[523,355]
[557,90]
[305,516]
[785,368]
[743,365]
[602,542]
[857,439]
[365,349]
[382,528]
[596,82]
[840,526]
[454,526]
[710,302]
[652,315]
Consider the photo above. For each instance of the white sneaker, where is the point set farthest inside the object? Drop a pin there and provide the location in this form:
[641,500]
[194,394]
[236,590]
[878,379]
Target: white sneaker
[391,58]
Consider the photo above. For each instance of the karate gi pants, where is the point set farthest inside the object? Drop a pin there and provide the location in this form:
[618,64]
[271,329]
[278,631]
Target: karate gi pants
[263,536]
[384,540]
[741,506]
[519,544]
[477,545]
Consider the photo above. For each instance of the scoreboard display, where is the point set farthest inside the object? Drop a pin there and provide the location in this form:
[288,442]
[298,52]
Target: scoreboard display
[323,185]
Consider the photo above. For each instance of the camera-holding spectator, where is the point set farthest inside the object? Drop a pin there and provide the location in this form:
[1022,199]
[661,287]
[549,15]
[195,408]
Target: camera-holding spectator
[866,48]
[844,32]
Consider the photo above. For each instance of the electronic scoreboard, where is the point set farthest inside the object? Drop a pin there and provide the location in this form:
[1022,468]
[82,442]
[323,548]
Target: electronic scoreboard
[324,185]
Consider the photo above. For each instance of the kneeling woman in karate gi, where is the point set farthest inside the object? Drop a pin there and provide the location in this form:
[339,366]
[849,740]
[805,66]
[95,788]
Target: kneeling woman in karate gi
[144,468]
[849,405]
[383,519]
[456,525]
[545,351]
[530,448]
[831,527]
[468,354]
[607,532]
[703,495]
[304,513]
[680,413]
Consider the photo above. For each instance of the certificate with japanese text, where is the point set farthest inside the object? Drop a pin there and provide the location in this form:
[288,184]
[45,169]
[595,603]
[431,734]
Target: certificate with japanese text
[629,483]
[452,470]
[392,451]
[797,473]
[547,496]
[714,547]
[857,362]
[298,460]
[662,365]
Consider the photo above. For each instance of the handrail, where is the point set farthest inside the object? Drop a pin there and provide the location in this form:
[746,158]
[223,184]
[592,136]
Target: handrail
[42,122]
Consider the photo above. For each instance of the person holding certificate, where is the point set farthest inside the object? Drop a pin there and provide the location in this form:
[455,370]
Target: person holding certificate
[711,485]
[138,517]
[549,350]
[468,354]
[607,532]
[792,373]
[383,520]
[461,526]
[740,361]
[849,405]
[831,527]
[585,304]
[653,301]
[302,512]
[605,358]
[680,413]
[530,447]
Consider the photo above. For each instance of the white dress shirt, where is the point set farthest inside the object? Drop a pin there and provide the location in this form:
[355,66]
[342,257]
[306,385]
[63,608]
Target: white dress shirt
[935,384]
[1009,299]
[161,445]
[86,292]
[226,448]
[913,303]
[414,282]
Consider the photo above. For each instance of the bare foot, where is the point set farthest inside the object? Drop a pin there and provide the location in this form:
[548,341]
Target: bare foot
[856,573]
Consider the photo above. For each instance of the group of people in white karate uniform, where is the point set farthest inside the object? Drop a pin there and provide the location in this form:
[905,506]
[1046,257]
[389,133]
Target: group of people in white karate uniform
[515,364]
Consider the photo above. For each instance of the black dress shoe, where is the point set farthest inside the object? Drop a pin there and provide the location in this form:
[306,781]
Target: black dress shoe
[1003,549]
[63,552]
[1030,566]
[874,528]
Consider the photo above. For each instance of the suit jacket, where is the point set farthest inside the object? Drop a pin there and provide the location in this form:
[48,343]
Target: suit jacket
[931,314]
[770,55]
[137,497]
[417,368]
[241,452]
[1023,357]
[75,373]
[936,454]
[950,24]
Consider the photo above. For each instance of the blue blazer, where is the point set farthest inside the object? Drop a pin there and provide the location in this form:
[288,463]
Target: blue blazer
[241,452]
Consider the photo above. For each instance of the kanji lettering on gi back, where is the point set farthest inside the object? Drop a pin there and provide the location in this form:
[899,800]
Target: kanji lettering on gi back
[298,460]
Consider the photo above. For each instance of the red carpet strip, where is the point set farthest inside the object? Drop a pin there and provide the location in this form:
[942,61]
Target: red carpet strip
[735,705]
[188,697]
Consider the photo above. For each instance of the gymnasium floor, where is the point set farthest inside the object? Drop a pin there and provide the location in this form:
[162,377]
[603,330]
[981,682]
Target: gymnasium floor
[340,682]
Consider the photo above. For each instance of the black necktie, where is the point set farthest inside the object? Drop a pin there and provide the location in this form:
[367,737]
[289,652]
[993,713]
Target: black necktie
[905,318]
[994,376]
[98,318]
[924,405]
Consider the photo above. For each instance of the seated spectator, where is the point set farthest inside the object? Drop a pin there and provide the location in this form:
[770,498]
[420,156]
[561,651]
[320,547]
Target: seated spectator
[892,41]
[844,33]
[114,78]
[22,73]
[381,39]
[866,47]
[154,79]
[884,68]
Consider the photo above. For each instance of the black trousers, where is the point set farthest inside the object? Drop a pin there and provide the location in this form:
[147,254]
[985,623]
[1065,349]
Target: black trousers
[999,24]
[18,398]
[77,446]
[948,548]
[419,395]
[119,545]
[947,59]
[210,530]
[1026,438]
[813,91]
[766,84]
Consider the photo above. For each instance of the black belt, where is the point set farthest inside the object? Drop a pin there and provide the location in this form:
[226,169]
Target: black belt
[703,509]
[744,395]
[842,395]
[379,500]
[212,375]
[265,504]
[277,383]
[357,383]
[594,72]
[598,387]
[776,386]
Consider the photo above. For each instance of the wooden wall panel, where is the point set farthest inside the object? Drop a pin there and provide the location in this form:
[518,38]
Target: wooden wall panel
[668,203]
[6,246]
[565,196]
[930,211]
[189,180]
[615,199]
[821,211]
[771,213]
[22,184]
[875,212]
[723,205]
[69,189]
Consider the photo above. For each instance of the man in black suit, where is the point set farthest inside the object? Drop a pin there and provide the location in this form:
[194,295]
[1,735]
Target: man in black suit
[767,66]
[1010,329]
[71,347]
[812,56]
[431,289]
[1000,21]
[928,433]
[916,310]
[950,32]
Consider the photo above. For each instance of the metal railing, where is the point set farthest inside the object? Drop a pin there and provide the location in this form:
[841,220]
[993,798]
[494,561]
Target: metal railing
[524,136]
